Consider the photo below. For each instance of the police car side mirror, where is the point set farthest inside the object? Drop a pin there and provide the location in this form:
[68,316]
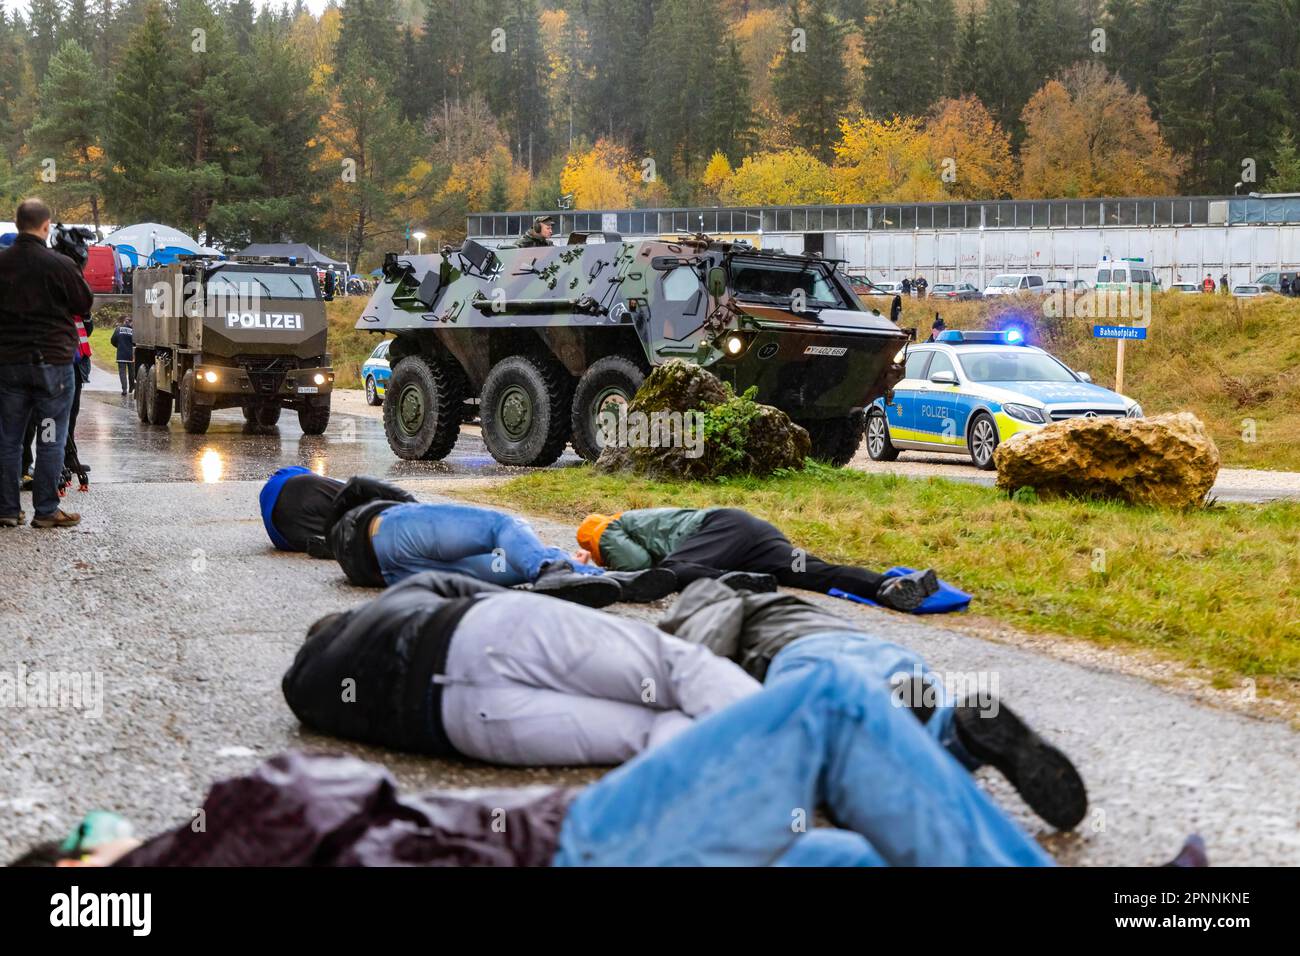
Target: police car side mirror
[717,283]
[943,378]
[1084,376]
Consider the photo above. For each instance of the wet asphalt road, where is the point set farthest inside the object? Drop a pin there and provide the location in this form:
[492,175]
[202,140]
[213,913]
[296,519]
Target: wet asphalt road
[170,595]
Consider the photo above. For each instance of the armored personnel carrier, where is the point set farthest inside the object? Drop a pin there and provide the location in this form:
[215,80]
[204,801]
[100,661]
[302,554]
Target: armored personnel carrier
[213,334]
[546,337]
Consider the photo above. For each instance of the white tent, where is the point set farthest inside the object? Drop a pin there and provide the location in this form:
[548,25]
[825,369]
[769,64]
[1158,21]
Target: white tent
[146,238]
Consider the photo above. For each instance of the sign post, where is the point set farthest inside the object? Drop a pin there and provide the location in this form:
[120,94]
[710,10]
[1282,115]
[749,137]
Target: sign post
[1121,334]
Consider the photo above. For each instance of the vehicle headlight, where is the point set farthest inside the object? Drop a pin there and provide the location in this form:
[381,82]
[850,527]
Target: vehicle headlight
[319,379]
[1026,413]
[734,344]
[210,376]
[1134,411]
[901,357]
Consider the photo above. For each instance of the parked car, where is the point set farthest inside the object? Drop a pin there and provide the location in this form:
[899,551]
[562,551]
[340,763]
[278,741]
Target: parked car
[375,373]
[1275,281]
[1122,275]
[1015,283]
[1185,287]
[967,391]
[862,286]
[957,292]
[102,271]
[1066,285]
[1251,291]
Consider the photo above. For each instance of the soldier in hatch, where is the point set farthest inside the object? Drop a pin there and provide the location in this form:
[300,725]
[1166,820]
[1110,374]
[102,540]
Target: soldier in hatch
[539,235]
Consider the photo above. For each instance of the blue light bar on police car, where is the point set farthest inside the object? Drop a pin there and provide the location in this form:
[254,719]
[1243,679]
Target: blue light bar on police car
[1004,337]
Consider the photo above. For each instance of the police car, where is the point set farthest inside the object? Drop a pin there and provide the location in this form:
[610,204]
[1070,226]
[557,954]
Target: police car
[375,372]
[967,391]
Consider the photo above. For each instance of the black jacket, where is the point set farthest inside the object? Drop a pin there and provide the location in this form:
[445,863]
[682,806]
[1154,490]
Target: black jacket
[348,527]
[40,292]
[367,674]
[123,339]
[301,809]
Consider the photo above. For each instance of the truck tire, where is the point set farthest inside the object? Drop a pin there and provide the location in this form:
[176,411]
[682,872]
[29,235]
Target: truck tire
[314,419]
[526,410]
[879,447]
[836,440]
[141,393]
[422,407]
[614,378]
[262,416]
[194,418]
[157,403]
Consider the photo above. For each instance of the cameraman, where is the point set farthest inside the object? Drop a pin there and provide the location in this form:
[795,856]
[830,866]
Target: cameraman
[40,292]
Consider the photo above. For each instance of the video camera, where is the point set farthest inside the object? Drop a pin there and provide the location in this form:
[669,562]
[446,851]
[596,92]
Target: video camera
[73,242]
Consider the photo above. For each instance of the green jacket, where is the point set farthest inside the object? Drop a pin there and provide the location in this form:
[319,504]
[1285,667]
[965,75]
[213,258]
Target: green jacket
[527,240]
[641,538]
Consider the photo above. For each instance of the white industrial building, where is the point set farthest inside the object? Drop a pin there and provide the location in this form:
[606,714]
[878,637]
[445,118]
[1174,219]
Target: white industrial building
[1183,238]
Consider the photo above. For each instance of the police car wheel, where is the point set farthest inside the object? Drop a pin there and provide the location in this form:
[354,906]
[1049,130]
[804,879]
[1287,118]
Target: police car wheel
[194,418]
[879,447]
[372,394]
[608,383]
[982,441]
[422,410]
[525,410]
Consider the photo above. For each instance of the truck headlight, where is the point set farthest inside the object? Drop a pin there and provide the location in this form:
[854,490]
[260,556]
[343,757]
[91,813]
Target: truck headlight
[1134,411]
[1026,413]
[210,376]
[319,379]
[734,344]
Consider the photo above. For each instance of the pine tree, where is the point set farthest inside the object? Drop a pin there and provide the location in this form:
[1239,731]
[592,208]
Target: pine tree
[370,28]
[1285,164]
[612,101]
[69,130]
[908,45]
[239,18]
[517,77]
[43,21]
[810,81]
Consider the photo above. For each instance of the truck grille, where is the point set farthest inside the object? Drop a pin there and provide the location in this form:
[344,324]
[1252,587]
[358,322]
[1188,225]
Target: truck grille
[1061,414]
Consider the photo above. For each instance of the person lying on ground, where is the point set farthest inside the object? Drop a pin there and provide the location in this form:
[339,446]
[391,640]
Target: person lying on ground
[296,504]
[771,634]
[446,665]
[703,543]
[738,788]
[378,542]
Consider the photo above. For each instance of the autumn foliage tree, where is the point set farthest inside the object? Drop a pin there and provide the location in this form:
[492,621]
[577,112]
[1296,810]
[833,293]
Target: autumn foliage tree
[971,152]
[1088,134]
[784,177]
[603,177]
[884,159]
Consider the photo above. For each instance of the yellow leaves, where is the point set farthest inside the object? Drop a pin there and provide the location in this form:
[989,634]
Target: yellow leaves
[884,159]
[603,177]
[784,177]
[717,172]
[971,152]
[1088,134]
[482,178]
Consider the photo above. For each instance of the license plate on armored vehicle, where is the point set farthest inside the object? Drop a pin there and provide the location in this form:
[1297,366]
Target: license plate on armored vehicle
[307,390]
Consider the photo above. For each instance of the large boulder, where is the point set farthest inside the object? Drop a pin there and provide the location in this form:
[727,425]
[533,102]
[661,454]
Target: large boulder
[685,423]
[1167,460]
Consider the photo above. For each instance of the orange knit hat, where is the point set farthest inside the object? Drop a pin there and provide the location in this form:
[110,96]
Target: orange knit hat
[589,532]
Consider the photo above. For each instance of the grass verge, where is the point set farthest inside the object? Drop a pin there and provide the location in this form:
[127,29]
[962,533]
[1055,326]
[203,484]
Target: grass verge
[1218,588]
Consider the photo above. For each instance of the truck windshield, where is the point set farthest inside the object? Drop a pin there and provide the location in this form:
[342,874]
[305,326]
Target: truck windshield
[779,281]
[264,284]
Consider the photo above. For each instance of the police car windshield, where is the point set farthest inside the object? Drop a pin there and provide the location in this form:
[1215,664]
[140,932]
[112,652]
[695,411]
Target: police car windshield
[780,281]
[267,285]
[1013,365]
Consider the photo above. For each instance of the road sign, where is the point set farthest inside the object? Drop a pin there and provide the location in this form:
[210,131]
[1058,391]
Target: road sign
[1119,332]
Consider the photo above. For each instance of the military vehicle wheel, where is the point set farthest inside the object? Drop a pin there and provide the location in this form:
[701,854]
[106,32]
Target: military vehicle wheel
[158,403]
[313,419]
[422,408]
[372,393]
[195,418]
[879,447]
[141,393]
[525,410]
[982,440]
[262,416]
[609,382]
[836,440]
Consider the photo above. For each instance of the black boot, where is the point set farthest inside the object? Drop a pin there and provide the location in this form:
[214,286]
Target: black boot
[590,590]
[749,581]
[1043,776]
[640,587]
[907,591]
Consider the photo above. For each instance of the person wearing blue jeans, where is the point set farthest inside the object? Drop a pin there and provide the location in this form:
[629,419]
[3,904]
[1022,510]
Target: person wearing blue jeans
[42,394]
[380,542]
[774,634]
[740,788]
